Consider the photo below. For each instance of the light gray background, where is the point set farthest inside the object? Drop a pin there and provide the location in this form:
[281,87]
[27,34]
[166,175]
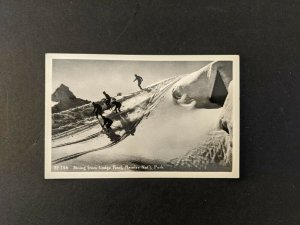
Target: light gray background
[87,79]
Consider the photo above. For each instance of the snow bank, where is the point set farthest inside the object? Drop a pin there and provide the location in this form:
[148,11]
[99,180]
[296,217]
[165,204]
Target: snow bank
[215,152]
[226,123]
[197,87]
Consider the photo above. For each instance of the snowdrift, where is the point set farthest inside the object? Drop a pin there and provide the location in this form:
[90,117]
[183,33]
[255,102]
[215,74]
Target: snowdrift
[207,87]
[215,152]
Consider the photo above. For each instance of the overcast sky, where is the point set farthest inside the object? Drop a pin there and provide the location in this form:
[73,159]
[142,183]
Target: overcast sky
[87,79]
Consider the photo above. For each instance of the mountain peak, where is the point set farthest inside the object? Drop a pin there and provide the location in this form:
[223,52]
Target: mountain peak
[62,86]
[62,93]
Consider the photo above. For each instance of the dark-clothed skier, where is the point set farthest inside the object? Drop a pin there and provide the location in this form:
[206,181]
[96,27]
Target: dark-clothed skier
[97,109]
[108,99]
[139,80]
[117,105]
[107,122]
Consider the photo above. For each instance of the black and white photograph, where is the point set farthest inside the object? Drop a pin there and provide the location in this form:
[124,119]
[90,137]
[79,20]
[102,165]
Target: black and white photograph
[142,116]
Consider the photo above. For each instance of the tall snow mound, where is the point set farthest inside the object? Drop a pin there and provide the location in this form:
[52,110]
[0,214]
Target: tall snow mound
[226,123]
[205,88]
[215,151]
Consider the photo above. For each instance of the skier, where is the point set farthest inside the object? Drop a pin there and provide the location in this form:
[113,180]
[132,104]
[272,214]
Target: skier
[107,122]
[97,109]
[139,80]
[117,105]
[107,101]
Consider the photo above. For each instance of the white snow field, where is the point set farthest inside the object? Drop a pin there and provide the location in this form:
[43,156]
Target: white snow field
[159,124]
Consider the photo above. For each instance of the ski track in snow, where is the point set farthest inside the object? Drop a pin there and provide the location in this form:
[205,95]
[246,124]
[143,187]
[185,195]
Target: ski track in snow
[73,156]
[90,132]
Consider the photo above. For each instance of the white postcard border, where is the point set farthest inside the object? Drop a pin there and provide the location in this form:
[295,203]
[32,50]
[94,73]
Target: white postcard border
[49,174]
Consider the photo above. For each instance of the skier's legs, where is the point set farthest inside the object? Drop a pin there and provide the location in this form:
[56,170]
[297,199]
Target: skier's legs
[139,84]
[117,108]
[109,123]
[107,102]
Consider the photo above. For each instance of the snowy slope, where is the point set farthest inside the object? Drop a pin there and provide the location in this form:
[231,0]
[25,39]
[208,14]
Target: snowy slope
[89,136]
[157,124]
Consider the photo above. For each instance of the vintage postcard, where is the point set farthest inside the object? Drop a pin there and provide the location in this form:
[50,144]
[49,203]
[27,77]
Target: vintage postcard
[141,116]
